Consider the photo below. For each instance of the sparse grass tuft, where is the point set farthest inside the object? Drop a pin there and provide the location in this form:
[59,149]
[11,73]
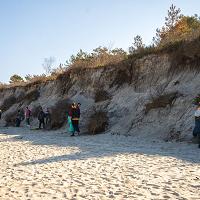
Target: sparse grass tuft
[162,101]
[173,135]
[98,122]
[10,118]
[32,95]
[59,113]
[101,95]
[8,102]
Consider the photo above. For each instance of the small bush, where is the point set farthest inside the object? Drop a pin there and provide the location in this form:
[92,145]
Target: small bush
[121,78]
[101,95]
[30,81]
[65,82]
[162,101]
[7,103]
[32,95]
[98,122]
[20,96]
[59,113]
[185,56]
[10,118]
[38,79]
[99,57]
[173,135]
[2,86]
[16,79]
[172,47]
[143,52]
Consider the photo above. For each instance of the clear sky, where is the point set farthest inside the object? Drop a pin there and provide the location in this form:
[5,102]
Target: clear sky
[31,30]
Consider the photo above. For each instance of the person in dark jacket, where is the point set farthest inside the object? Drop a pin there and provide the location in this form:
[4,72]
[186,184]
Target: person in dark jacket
[41,117]
[196,131]
[19,118]
[27,116]
[0,113]
[75,118]
[48,117]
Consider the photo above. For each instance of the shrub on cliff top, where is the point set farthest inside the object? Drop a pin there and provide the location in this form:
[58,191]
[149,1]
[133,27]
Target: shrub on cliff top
[99,57]
[16,79]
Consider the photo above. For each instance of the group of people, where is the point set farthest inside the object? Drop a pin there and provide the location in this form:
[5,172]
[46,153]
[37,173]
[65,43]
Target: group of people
[73,118]
[21,115]
[44,118]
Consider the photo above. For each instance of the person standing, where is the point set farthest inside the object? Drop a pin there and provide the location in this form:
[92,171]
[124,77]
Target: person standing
[0,113]
[47,117]
[41,117]
[19,118]
[79,107]
[69,120]
[196,131]
[27,116]
[75,118]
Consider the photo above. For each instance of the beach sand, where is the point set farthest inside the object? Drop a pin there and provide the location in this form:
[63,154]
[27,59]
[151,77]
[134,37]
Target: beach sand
[53,165]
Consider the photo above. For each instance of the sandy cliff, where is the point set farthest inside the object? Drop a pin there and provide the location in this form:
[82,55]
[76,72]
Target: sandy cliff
[151,95]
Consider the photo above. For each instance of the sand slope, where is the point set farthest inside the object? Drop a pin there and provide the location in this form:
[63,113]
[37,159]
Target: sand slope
[50,165]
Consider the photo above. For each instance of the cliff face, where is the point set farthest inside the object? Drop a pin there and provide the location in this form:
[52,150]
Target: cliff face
[143,96]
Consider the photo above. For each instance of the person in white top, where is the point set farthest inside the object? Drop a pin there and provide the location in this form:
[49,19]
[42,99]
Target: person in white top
[197,112]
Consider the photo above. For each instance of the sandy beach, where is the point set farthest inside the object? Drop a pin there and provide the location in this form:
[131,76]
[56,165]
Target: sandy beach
[53,165]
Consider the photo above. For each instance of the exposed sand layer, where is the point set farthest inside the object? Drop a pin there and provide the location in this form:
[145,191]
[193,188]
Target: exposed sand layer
[49,165]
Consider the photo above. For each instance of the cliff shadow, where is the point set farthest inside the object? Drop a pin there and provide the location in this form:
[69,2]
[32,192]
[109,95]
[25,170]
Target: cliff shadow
[102,145]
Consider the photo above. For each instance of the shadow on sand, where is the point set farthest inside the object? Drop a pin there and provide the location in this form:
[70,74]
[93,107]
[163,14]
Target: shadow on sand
[100,145]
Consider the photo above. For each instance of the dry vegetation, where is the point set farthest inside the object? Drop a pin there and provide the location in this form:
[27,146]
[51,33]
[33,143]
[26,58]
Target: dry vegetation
[10,118]
[99,57]
[32,95]
[162,101]
[186,56]
[59,113]
[8,102]
[121,78]
[98,122]
[173,135]
[101,95]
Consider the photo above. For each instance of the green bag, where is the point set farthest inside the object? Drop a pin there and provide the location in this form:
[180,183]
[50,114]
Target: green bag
[71,128]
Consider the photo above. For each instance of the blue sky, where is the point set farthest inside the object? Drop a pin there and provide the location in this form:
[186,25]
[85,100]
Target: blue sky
[31,30]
